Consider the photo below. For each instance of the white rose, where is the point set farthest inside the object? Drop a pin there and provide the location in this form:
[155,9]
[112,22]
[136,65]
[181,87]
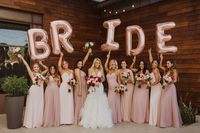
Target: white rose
[169,79]
[87,45]
[91,44]
[17,49]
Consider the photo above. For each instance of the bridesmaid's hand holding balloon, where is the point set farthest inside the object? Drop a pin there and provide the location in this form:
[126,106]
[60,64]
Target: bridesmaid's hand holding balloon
[149,50]
[134,59]
[161,56]
[40,62]
[108,55]
[90,50]
[19,56]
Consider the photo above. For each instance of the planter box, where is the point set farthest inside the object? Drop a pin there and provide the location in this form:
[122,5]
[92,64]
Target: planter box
[14,111]
[2,103]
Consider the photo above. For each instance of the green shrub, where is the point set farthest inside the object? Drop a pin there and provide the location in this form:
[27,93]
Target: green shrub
[1,82]
[188,113]
[15,86]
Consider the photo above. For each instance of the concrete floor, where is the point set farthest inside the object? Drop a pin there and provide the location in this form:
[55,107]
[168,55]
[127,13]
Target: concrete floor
[120,128]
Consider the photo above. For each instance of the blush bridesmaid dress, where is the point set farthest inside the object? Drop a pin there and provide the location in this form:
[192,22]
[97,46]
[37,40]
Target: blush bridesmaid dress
[169,110]
[154,102]
[52,104]
[114,98]
[140,104]
[126,101]
[79,100]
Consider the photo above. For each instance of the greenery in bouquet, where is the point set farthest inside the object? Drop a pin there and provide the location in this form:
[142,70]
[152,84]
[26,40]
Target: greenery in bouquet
[14,51]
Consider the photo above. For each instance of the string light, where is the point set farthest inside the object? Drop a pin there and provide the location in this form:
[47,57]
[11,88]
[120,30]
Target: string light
[116,12]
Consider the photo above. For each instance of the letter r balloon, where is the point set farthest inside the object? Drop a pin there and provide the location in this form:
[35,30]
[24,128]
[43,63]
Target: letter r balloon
[61,39]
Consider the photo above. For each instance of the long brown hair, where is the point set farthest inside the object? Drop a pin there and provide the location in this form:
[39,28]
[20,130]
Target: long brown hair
[56,71]
[173,69]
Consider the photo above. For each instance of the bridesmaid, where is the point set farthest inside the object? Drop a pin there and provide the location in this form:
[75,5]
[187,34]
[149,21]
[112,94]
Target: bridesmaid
[66,92]
[140,104]
[35,100]
[81,87]
[169,110]
[113,97]
[126,78]
[52,108]
[156,89]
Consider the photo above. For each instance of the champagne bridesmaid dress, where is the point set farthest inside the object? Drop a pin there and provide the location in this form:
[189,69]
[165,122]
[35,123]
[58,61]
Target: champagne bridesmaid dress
[34,106]
[154,101]
[114,98]
[79,100]
[126,101]
[140,105]
[52,104]
[66,100]
[169,110]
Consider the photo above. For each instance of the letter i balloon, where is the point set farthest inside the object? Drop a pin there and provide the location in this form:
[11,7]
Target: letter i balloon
[110,43]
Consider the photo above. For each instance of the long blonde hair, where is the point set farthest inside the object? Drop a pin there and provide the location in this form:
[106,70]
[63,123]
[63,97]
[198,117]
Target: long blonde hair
[113,61]
[100,66]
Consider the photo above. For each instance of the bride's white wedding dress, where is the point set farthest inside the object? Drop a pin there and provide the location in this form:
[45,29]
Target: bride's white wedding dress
[96,112]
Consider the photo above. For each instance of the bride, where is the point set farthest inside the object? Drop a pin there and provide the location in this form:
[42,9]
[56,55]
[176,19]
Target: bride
[96,112]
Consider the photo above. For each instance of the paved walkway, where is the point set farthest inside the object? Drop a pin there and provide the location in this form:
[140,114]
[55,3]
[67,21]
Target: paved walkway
[120,128]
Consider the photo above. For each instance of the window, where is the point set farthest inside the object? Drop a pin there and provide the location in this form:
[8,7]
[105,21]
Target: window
[13,39]
[12,42]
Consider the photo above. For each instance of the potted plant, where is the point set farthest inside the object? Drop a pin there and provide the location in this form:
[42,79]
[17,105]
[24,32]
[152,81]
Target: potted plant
[2,98]
[16,89]
[188,112]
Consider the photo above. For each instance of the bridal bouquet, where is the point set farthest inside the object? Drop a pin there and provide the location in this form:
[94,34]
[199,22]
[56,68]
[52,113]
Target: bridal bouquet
[120,88]
[143,77]
[88,45]
[71,82]
[139,77]
[92,82]
[126,76]
[167,80]
[14,51]
[148,79]
[37,77]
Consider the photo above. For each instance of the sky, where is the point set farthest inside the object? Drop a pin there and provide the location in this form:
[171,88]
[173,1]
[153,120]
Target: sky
[13,37]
